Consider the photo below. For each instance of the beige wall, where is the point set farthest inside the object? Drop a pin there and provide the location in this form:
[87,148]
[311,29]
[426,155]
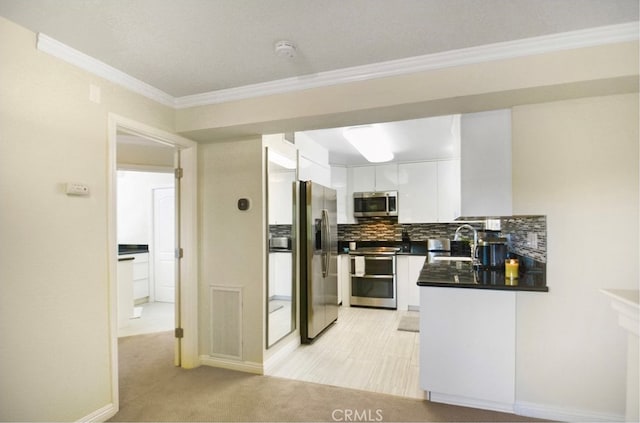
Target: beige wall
[232,242]
[577,162]
[54,353]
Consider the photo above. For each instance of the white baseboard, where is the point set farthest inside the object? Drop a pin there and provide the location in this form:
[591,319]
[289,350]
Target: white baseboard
[225,363]
[100,415]
[470,402]
[550,412]
[283,351]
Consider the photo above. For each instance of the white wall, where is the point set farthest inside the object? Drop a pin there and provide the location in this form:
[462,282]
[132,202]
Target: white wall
[232,242]
[577,162]
[54,308]
[135,204]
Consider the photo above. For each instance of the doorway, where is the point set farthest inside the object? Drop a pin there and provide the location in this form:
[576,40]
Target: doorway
[146,233]
[185,160]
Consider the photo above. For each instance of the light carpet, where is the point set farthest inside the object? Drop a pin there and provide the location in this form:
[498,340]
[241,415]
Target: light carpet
[152,389]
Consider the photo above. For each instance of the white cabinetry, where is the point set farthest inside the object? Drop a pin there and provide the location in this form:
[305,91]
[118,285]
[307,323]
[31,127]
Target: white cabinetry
[448,190]
[408,269]
[374,178]
[362,179]
[344,280]
[467,346]
[418,192]
[386,177]
[416,263]
[281,197]
[125,290]
[339,182]
[486,163]
[140,276]
[280,272]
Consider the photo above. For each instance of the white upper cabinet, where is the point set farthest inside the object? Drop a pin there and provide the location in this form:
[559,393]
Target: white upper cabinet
[418,192]
[281,197]
[339,182]
[386,177]
[486,164]
[448,190]
[362,179]
[374,178]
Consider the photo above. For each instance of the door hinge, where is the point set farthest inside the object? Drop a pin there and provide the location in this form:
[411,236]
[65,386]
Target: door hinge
[178,172]
[179,333]
[179,253]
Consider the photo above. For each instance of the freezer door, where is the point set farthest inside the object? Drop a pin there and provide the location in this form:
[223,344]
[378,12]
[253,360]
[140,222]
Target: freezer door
[315,260]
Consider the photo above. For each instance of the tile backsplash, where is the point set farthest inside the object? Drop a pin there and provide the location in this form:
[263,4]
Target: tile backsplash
[515,228]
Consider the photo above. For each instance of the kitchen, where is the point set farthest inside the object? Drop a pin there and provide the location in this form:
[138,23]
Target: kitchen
[414,222]
[574,160]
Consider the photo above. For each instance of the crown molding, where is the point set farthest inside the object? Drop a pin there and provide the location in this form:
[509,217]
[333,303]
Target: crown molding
[62,51]
[472,55]
[485,53]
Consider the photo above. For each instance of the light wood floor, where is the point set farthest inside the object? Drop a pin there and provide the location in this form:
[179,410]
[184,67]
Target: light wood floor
[155,317]
[362,350]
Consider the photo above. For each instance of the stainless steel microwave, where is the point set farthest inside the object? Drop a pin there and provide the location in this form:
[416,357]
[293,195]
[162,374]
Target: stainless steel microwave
[375,204]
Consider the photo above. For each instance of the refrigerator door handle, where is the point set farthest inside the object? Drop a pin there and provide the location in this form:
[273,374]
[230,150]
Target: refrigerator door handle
[326,242]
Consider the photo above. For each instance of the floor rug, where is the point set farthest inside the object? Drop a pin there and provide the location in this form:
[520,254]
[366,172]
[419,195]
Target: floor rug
[409,324]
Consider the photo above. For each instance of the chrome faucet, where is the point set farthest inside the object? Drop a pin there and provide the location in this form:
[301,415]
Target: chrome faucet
[456,237]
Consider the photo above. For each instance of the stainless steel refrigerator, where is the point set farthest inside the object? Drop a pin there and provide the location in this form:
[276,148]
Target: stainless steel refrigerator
[318,259]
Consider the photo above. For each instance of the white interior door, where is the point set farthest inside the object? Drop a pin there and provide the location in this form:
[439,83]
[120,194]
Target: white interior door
[164,244]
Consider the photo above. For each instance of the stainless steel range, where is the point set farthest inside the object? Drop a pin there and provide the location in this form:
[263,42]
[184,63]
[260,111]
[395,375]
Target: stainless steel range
[373,277]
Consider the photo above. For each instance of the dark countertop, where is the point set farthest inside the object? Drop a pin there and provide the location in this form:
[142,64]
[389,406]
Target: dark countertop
[413,248]
[447,274]
[132,249]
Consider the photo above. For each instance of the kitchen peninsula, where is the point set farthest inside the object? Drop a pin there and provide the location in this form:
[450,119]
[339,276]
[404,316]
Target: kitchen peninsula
[468,331]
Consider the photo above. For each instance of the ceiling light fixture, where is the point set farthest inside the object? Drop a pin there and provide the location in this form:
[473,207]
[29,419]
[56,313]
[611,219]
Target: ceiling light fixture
[370,142]
[285,49]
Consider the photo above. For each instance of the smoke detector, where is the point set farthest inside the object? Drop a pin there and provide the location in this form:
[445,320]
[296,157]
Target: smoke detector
[285,49]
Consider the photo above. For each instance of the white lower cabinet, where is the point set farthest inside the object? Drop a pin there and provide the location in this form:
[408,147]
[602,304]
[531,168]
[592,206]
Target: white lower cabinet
[280,272]
[408,269]
[141,290]
[344,280]
[467,346]
[125,291]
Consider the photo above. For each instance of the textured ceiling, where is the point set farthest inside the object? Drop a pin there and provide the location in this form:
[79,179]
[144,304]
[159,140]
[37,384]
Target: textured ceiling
[185,47]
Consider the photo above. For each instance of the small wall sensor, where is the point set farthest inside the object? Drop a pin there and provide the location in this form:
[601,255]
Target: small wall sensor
[244,204]
[73,188]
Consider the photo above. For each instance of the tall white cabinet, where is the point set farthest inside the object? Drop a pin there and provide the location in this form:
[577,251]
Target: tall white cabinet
[486,163]
[418,192]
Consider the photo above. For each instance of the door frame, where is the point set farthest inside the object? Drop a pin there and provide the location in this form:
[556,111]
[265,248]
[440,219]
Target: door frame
[187,297]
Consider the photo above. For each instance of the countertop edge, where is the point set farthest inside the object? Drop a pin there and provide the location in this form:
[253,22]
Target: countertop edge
[489,287]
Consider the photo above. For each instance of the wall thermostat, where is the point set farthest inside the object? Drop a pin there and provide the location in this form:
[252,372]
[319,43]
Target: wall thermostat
[244,204]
